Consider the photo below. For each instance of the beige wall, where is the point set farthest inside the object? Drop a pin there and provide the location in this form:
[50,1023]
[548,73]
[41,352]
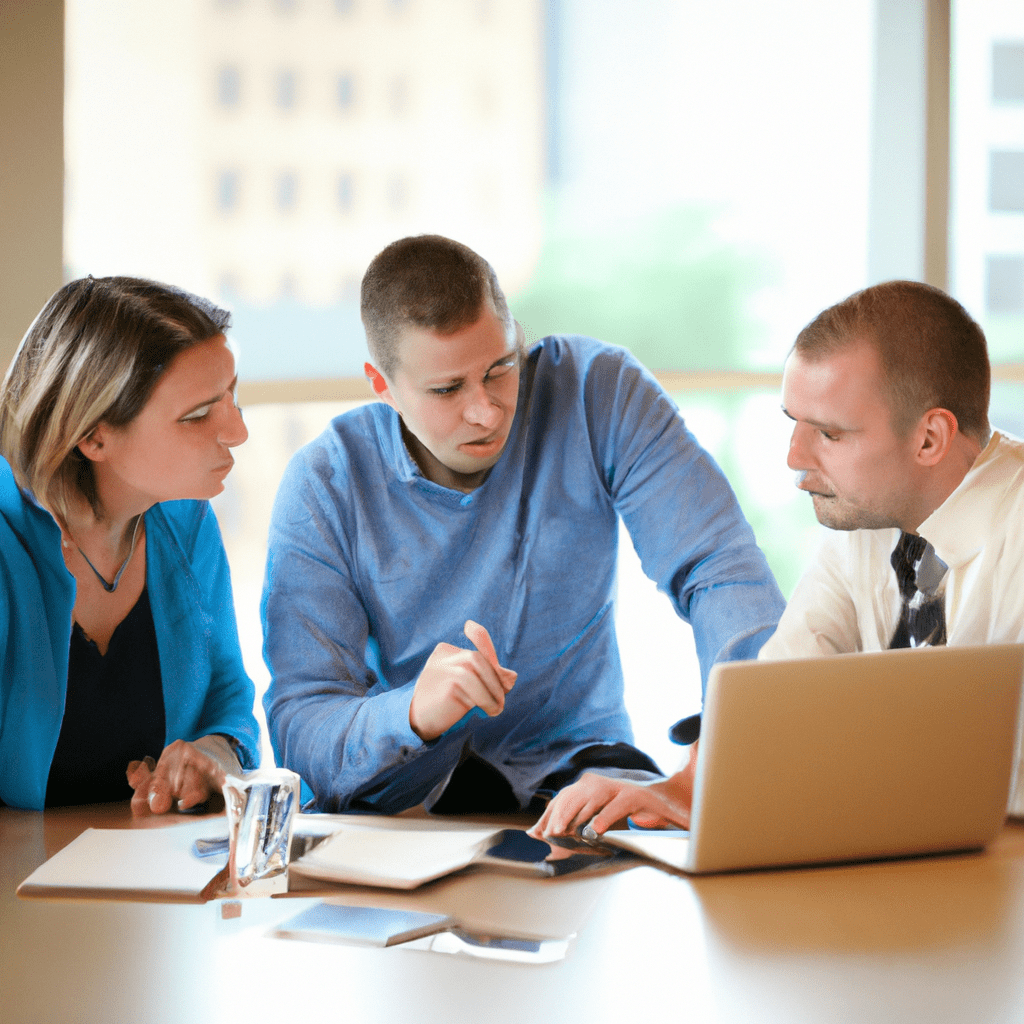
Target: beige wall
[31,162]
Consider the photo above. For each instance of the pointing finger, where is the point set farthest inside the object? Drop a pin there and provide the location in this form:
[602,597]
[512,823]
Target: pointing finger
[481,640]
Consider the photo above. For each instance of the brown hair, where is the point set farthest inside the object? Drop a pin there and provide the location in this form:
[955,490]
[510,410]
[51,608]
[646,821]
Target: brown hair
[933,354]
[94,353]
[424,281]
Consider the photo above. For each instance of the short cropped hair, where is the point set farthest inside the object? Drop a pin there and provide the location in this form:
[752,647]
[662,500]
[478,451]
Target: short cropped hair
[933,354]
[426,281]
[93,354]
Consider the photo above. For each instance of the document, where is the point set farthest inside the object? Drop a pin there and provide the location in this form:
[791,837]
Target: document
[363,855]
[396,859]
[130,863]
[186,862]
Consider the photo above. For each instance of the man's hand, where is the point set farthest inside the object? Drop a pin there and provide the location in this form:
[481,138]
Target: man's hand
[601,801]
[455,680]
[183,777]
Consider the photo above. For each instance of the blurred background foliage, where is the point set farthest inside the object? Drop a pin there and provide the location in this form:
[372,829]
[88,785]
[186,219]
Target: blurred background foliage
[666,286]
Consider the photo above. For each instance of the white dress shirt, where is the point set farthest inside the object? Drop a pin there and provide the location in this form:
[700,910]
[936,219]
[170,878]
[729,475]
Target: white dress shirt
[849,599]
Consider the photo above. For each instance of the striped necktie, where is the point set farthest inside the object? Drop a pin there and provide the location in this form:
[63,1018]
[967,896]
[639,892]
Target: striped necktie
[921,574]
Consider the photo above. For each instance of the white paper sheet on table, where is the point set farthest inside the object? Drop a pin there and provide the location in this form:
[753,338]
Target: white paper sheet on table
[399,859]
[132,862]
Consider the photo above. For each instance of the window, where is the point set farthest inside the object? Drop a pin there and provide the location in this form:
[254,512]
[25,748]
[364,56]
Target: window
[987,184]
[228,190]
[1006,181]
[344,192]
[1005,285]
[669,182]
[1008,72]
[285,88]
[343,91]
[229,86]
[286,191]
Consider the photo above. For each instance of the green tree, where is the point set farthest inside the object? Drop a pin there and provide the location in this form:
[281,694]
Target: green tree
[666,287]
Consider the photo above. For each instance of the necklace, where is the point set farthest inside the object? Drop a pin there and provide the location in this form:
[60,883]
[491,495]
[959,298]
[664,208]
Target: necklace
[111,587]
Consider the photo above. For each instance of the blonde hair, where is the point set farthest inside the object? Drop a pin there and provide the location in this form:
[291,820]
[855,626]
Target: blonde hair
[94,353]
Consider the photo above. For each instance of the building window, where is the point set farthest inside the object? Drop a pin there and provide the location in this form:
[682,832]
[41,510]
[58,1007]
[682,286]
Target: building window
[344,192]
[1004,284]
[1008,72]
[287,191]
[228,190]
[285,89]
[1006,181]
[344,91]
[229,86]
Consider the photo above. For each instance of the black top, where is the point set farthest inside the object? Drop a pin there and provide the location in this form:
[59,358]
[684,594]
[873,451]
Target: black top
[113,713]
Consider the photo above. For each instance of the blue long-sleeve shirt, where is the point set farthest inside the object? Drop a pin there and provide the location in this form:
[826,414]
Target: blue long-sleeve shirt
[205,686]
[370,565]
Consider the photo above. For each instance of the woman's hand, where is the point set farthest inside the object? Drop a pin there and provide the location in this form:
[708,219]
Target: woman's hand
[186,775]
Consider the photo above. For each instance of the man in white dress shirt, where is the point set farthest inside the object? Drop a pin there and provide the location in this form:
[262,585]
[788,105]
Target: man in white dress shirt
[888,392]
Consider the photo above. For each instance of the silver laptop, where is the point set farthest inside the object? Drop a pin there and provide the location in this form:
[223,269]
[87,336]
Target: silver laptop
[851,757]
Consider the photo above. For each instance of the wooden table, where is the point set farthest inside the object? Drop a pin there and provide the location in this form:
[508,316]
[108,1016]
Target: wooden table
[933,940]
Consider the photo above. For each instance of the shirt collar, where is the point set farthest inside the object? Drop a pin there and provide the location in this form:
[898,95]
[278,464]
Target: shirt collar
[959,527]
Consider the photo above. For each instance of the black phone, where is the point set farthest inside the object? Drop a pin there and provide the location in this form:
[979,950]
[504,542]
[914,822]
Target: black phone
[514,850]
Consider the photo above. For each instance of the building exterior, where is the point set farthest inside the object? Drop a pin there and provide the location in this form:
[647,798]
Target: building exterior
[987,251]
[333,126]
[262,151]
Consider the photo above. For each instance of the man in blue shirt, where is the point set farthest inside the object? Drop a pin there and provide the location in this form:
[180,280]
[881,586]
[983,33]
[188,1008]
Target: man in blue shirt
[480,499]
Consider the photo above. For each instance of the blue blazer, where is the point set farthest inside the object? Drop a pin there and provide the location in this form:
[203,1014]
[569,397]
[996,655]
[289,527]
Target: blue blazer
[206,689]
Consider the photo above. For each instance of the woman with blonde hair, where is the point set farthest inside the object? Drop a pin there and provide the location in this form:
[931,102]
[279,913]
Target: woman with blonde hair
[120,668]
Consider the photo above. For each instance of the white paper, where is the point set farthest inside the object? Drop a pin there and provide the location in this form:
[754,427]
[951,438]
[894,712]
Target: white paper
[396,858]
[157,861]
